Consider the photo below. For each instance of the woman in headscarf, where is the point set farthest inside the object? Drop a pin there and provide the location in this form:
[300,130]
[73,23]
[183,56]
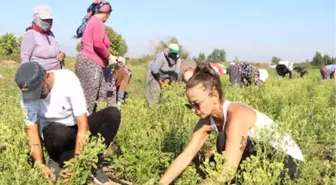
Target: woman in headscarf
[39,43]
[94,58]
[122,76]
[244,74]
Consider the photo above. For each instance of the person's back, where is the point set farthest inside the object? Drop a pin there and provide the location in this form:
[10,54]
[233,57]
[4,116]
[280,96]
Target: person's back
[94,31]
[264,126]
[331,69]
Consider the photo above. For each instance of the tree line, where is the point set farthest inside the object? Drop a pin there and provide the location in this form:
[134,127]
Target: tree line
[317,60]
[10,45]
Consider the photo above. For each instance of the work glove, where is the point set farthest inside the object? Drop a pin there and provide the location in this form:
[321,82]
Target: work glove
[112,60]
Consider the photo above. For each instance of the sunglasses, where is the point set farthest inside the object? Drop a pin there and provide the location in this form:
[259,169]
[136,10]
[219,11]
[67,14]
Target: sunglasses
[195,106]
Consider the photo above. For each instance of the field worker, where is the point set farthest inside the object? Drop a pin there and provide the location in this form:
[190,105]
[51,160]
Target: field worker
[186,65]
[94,57]
[39,43]
[328,71]
[229,68]
[122,77]
[263,75]
[284,68]
[300,70]
[218,68]
[234,123]
[163,70]
[187,74]
[57,100]
[244,74]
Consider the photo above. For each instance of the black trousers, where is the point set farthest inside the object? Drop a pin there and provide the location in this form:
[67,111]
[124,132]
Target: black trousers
[60,140]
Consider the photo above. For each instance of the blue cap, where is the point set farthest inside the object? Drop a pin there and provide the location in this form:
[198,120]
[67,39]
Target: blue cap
[29,78]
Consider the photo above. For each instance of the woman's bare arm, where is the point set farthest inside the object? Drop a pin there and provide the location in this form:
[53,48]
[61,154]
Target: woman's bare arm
[198,139]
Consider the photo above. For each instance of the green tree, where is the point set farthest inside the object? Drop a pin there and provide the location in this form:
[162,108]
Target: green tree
[201,56]
[318,59]
[275,60]
[164,44]
[8,44]
[118,44]
[217,55]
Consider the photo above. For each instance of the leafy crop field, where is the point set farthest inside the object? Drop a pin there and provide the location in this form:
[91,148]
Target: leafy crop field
[151,137]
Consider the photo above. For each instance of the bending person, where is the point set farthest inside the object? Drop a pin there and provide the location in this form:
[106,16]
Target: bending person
[57,100]
[163,70]
[300,70]
[244,74]
[328,71]
[235,124]
[122,77]
[39,43]
[94,57]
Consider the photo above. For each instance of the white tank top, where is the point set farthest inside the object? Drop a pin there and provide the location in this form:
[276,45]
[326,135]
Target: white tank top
[285,144]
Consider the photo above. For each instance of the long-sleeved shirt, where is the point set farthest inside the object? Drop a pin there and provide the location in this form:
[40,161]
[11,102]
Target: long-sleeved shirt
[95,42]
[331,68]
[40,48]
[164,68]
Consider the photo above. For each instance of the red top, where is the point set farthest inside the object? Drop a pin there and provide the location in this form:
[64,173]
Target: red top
[95,42]
[219,67]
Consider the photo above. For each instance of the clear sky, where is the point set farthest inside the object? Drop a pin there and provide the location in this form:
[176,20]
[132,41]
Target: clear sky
[251,30]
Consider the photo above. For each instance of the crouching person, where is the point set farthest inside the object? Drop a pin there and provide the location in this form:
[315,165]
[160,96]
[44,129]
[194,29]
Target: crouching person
[244,74]
[122,77]
[328,72]
[57,100]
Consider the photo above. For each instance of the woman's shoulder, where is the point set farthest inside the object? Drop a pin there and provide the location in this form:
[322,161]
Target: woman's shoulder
[29,33]
[240,114]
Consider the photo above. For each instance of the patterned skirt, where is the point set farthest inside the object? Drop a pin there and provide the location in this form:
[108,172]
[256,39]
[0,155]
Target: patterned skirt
[97,82]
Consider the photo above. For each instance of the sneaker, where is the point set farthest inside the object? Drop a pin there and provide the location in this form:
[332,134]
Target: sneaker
[99,177]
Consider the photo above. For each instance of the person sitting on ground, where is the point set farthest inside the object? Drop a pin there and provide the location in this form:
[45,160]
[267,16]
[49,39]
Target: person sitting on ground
[39,43]
[244,74]
[163,70]
[56,99]
[122,77]
[300,70]
[328,71]
[235,123]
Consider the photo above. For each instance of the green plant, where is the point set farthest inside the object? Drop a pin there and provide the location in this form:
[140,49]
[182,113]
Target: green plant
[8,44]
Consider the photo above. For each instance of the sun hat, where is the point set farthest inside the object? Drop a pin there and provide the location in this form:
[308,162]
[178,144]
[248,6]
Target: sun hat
[43,12]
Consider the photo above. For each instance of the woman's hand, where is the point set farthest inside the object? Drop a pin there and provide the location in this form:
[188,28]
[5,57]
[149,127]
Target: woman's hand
[164,82]
[60,56]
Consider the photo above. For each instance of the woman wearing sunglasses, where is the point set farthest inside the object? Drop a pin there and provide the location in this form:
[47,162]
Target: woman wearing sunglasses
[235,124]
